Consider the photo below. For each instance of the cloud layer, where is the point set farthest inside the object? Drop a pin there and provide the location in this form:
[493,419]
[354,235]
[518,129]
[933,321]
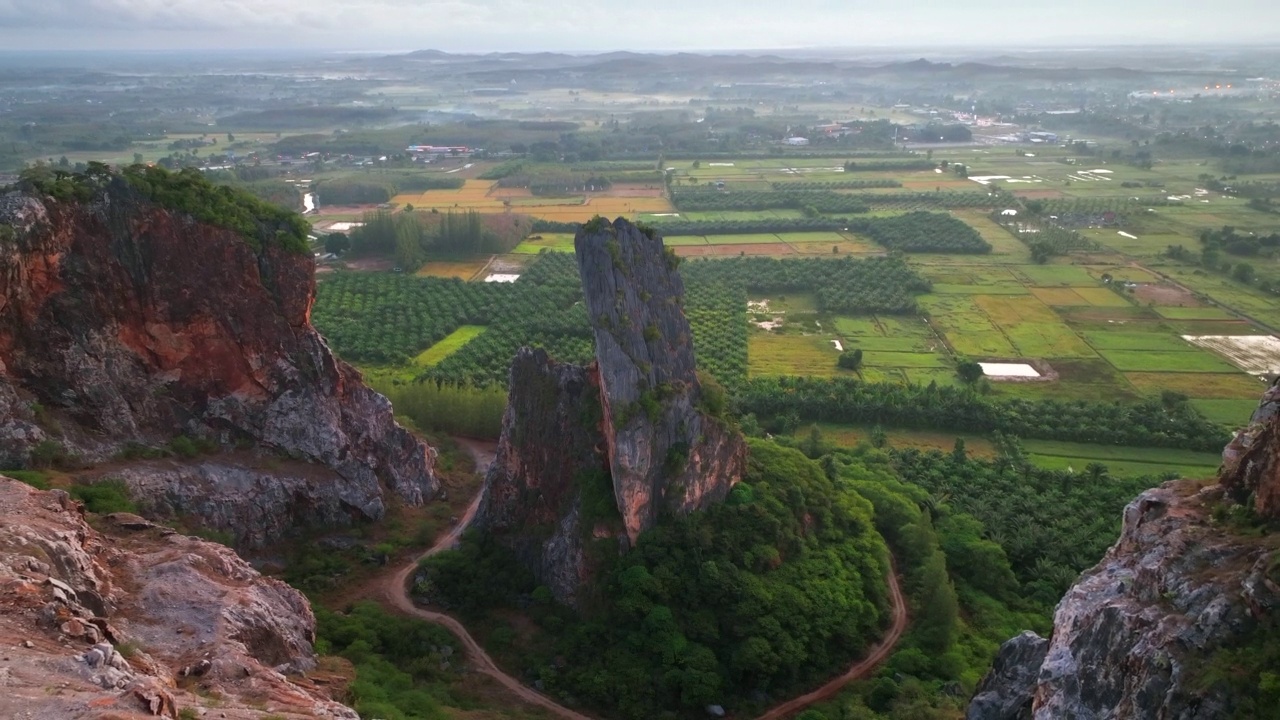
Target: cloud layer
[483,25]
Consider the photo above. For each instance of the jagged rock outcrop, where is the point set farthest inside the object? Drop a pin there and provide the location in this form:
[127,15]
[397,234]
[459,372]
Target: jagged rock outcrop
[1133,637]
[599,453]
[552,450]
[123,322]
[1251,463]
[142,621]
[1007,691]
[665,453]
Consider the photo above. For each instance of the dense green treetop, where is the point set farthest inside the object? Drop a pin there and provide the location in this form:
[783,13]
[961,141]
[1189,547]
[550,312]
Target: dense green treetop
[187,191]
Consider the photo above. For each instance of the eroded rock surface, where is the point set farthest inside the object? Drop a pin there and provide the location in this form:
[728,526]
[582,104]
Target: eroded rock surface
[665,453]
[142,621]
[122,322]
[552,450]
[1251,463]
[598,453]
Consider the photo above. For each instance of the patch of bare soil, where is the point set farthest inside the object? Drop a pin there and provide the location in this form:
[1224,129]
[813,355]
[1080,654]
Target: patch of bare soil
[1166,295]
[632,191]
[369,264]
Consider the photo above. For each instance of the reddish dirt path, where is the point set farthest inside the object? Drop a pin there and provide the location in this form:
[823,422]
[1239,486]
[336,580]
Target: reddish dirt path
[395,592]
[862,668]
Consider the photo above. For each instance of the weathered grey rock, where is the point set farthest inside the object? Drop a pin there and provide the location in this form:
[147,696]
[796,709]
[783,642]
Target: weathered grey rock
[1251,462]
[180,598]
[1008,689]
[1131,637]
[255,505]
[551,447]
[595,454]
[665,453]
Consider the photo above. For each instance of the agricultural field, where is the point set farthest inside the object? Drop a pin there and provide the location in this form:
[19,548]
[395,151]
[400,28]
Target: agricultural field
[1122,461]
[486,197]
[772,293]
[852,435]
[448,345]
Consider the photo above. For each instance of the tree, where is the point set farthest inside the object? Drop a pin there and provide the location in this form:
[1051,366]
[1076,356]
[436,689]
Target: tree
[969,371]
[850,359]
[1244,272]
[337,243]
[231,138]
[939,610]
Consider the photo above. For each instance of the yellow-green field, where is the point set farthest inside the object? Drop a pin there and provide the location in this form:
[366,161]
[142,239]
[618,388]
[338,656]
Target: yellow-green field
[451,344]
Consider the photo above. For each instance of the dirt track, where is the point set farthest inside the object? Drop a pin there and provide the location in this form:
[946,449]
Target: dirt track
[395,592]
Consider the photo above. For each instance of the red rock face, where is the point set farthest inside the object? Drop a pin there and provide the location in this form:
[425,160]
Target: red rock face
[139,324]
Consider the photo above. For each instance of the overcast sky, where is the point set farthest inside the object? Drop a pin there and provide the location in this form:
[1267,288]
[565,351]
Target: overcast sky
[522,25]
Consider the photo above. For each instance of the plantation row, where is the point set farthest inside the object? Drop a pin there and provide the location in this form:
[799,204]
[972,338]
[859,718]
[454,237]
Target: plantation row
[1092,205]
[389,319]
[880,284]
[1050,240]
[922,232]
[350,191]
[936,199]
[791,197]
[719,200]
[716,227]
[841,400]
[837,185]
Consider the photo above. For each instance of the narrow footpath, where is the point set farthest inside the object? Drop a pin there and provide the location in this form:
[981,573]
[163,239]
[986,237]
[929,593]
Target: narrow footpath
[395,592]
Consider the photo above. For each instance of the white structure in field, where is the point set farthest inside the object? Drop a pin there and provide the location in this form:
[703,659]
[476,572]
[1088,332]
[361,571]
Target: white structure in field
[502,278]
[797,141]
[1009,370]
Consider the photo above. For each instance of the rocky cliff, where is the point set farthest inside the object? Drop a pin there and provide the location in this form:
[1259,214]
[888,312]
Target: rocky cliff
[139,620]
[665,453]
[1164,626]
[599,453]
[551,453]
[124,324]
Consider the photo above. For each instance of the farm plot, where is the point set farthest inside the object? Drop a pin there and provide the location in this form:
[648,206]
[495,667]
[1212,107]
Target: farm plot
[452,343]
[1101,297]
[852,435]
[1193,313]
[773,354]
[1201,386]
[534,244]
[1055,276]
[1034,329]
[1234,413]
[1255,354]
[1103,340]
[1121,467]
[1059,297]
[765,250]
[966,327]
[444,269]
[1195,361]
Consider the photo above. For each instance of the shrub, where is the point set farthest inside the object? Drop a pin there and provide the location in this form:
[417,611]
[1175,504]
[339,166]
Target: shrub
[34,478]
[106,496]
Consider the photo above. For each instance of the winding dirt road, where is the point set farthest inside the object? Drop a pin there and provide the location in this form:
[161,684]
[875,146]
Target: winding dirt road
[395,592]
[862,668]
